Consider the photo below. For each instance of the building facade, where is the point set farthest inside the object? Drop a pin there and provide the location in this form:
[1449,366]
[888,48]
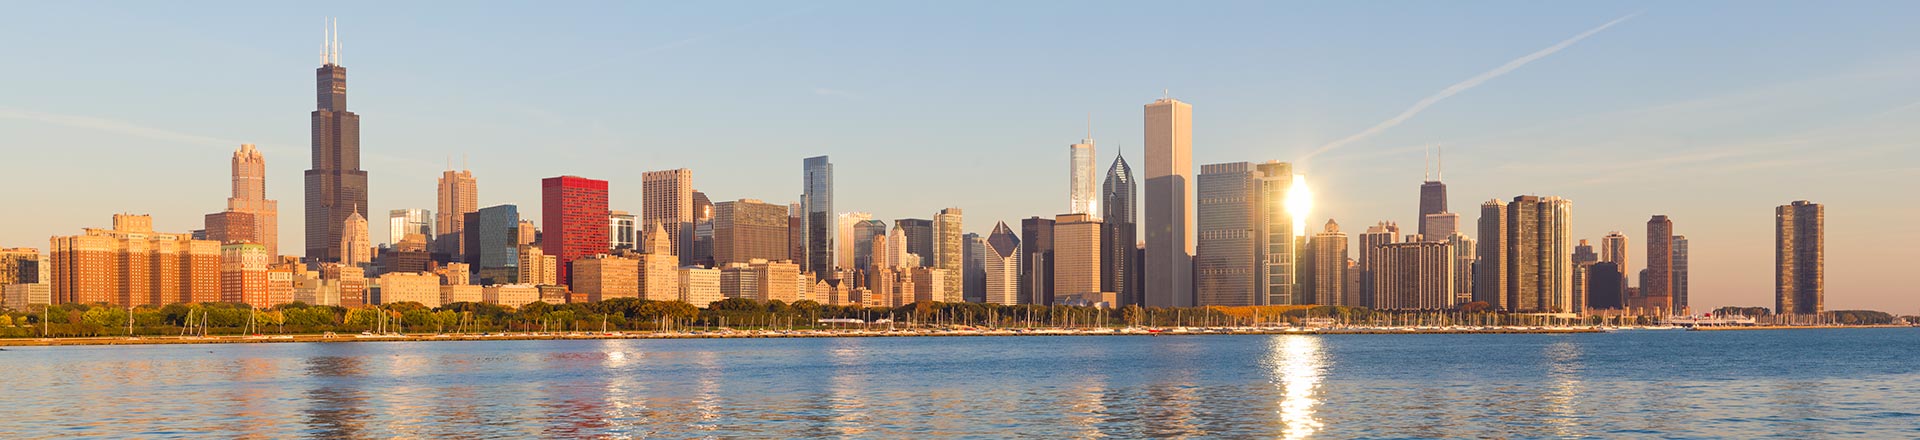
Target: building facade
[1799,258]
[131,264]
[574,210]
[748,229]
[250,216]
[817,204]
[1002,266]
[401,222]
[336,187]
[1225,263]
[1076,254]
[1330,267]
[459,195]
[667,199]
[1119,235]
[1169,204]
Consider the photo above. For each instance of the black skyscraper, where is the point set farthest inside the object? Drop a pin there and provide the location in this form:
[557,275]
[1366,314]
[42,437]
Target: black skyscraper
[336,186]
[1118,236]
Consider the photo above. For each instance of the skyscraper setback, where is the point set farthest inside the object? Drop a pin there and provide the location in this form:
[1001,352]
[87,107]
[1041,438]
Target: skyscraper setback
[1433,200]
[250,216]
[1169,203]
[335,186]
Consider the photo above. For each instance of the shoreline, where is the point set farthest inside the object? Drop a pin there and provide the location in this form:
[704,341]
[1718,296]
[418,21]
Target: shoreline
[1795,327]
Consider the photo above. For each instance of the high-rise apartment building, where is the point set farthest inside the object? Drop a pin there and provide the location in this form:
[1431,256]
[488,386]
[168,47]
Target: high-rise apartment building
[459,196]
[1169,204]
[1679,291]
[1036,266]
[401,222]
[1330,267]
[250,217]
[622,231]
[748,229]
[1439,226]
[131,264]
[1378,235]
[817,203]
[1464,250]
[243,274]
[700,286]
[668,199]
[947,250]
[1080,195]
[1799,258]
[1415,275]
[336,187]
[356,248]
[1658,286]
[1002,267]
[1539,255]
[1613,249]
[536,268]
[1490,265]
[1119,235]
[574,210]
[1584,258]
[1225,263]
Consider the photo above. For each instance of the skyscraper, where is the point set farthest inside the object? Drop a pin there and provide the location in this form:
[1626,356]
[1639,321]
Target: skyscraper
[1465,250]
[1080,195]
[250,216]
[1583,258]
[243,274]
[1539,255]
[1036,265]
[401,222]
[1680,274]
[131,264]
[1002,266]
[1658,285]
[659,267]
[919,239]
[849,224]
[1799,258]
[1276,240]
[817,203]
[1118,235]
[668,199]
[1413,276]
[336,187]
[1076,255]
[355,247]
[1490,268]
[459,196]
[1606,286]
[973,278]
[1330,267]
[574,210]
[1438,226]
[1225,263]
[947,230]
[745,230]
[1169,206]
[1433,200]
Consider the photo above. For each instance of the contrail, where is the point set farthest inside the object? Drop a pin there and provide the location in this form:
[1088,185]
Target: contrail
[1463,86]
[113,126]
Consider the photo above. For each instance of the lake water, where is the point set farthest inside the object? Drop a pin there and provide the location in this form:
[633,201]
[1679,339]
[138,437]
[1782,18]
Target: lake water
[1792,384]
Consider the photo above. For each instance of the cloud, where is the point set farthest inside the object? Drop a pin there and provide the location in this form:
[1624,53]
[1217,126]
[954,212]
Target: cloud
[116,127]
[1463,86]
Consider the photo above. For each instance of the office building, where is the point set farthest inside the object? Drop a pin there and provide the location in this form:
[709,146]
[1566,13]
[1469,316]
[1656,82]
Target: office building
[493,248]
[973,278]
[536,267]
[1433,201]
[1080,195]
[748,229]
[797,235]
[459,196]
[1076,254]
[668,200]
[947,251]
[1799,259]
[336,187]
[659,267]
[1439,226]
[606,276]
[23,266]
[1679,290]
[250,217]
[1606,287]
[1330,267]
[347,285]
[1169,206]
[847,256]
[1225,263]
[401,222]
[1583,258]
[817,203]
[243,274]
[919,239]
[510,295]
[405,287]
[1277,235]
[1036,270]
[1464,249]
[1613,249]
[700,286]
[1119,235]
[1378,235]
[355,248]
[621,231]
[932,284]
[1002,267]
[574,210]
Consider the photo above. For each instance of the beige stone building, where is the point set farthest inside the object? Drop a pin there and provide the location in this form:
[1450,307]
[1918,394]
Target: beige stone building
[537,268]
[659,267]
[1076,254]
[459,196]
[605,276]
[400,287]
[667,196]
[700,286]
[510,295]
[250,216]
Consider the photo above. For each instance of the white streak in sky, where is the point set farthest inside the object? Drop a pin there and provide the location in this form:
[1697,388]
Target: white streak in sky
[113,126]
[1462,86]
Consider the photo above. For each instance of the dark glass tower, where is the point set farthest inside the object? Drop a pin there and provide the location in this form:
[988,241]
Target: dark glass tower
[817,202]
[1118,234]
[336,186]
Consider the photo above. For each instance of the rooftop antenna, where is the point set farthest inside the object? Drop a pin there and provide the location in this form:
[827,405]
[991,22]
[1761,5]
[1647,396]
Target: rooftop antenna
[326,40]
[1439,162]
[1426,168]
[1164,94]
[336,41]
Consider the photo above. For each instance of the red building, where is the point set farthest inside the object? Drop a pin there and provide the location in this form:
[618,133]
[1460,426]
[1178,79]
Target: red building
[574,212]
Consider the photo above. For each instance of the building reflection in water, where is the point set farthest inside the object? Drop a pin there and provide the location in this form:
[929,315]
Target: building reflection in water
[336,404]
[847,404]
[1564,368]
[1297,365]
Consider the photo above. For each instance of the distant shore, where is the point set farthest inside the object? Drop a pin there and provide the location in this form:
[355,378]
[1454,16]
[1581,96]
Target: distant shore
[1796,327]
[840,333]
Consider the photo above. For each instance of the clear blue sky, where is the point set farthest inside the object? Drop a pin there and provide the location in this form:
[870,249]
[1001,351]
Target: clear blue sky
[1711,112]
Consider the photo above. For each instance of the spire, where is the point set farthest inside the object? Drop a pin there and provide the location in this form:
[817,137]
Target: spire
[1426,167]
[1439,163]
[1089,127]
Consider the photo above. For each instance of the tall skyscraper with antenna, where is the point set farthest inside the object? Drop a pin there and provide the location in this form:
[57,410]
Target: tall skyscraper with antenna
[1080,189]
[336,187]
[1168,206]
[1433,200]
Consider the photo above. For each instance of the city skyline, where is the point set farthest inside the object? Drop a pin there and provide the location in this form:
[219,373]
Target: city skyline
[1724,231]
